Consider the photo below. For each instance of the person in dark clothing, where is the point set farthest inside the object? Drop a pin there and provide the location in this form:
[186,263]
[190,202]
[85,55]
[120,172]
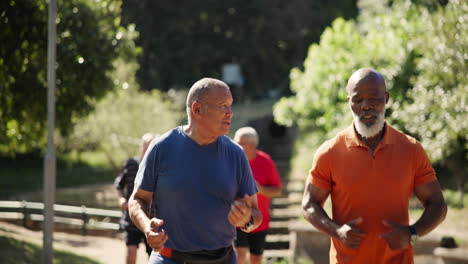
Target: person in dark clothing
[124,184]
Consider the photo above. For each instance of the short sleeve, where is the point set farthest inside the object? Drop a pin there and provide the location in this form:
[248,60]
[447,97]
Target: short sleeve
[320,173]
[146,177]
[424,172]
[274,179]
[119,181]
[247,182]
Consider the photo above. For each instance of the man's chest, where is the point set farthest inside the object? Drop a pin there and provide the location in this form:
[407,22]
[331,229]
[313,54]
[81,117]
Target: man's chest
[385,170]
[213,177]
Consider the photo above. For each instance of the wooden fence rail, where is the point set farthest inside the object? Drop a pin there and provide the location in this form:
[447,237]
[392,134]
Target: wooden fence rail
[81,216]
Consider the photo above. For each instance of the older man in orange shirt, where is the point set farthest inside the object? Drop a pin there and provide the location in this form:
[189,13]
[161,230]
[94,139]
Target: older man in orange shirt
[370,170]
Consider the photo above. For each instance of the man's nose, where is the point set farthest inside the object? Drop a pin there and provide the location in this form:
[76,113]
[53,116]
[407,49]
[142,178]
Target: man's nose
[229,112]
[367,105]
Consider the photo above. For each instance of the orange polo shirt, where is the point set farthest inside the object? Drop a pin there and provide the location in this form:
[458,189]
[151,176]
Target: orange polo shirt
[375,188]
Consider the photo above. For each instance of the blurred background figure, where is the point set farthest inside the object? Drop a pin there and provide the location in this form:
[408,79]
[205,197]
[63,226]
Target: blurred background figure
[268,184]
[124,184]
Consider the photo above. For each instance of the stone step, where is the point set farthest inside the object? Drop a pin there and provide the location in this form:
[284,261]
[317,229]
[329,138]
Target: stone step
[282,218]
[295,198]
[292,210]
[283,210]
[285,214]
[282,202]
[279,227]
[277,241]
[295,187]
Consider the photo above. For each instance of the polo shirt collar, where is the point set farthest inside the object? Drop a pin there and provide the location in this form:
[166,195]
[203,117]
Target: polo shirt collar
[352,139]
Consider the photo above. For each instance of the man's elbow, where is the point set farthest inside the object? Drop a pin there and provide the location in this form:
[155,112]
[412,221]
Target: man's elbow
[307,211]
[133,205]
[439,208]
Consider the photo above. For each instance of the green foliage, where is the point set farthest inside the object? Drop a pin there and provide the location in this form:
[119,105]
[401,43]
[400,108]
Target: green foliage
[452,198]
[186,40]
[14,251]
[70,172]
[422,55]
[439,109]
[87,43]
[119,121]
[319,103]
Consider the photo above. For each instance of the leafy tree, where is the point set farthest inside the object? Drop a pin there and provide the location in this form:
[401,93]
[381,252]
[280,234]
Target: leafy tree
[319,103]
[88,41]
[183,41]
[438,110]
[422,54]
[120,119]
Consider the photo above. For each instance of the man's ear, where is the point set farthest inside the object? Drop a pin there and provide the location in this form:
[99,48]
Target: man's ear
[387,95]
[196,108]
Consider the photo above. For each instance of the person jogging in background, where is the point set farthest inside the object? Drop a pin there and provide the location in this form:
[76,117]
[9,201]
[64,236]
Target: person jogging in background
[124,184]
[268,184]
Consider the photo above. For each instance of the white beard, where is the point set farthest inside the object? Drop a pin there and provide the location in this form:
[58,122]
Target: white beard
[372,130]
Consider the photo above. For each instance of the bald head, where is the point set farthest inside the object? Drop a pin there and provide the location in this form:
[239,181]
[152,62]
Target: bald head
[364,76]
[367,97]
[200,89]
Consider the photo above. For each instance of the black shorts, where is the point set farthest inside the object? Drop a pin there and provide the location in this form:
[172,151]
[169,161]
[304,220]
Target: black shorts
[134,237]
[254,241]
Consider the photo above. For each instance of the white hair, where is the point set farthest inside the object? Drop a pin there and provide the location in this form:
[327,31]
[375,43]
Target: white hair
[372,130]
[147,137]
[249,133]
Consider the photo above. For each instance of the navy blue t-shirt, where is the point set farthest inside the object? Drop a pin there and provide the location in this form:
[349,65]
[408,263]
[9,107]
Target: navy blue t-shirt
[194,187]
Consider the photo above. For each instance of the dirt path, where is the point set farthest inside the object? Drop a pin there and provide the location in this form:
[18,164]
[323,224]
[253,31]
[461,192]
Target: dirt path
[103,249]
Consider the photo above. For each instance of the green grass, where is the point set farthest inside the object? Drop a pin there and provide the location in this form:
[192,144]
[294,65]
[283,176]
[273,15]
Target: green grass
[25,172]
[13,251]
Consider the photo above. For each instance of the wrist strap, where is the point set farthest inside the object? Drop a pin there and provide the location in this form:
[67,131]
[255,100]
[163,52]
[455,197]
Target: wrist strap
[249,224]
[412,230]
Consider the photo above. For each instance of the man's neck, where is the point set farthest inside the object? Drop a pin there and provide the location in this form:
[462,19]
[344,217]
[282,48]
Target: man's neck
[197,135]
[252,155]
[374,141]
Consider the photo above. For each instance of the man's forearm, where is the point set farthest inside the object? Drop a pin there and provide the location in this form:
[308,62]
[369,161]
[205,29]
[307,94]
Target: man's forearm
[270,191]
[257,216]
[434,213]
[317,216]
[139,211]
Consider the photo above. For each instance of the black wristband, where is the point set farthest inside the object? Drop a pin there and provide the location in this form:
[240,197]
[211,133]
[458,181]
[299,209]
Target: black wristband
[249,224]
[412,230]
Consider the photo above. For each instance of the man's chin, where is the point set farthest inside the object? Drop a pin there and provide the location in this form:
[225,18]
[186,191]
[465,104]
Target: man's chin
[368,130]
[367,124]
[225,130]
